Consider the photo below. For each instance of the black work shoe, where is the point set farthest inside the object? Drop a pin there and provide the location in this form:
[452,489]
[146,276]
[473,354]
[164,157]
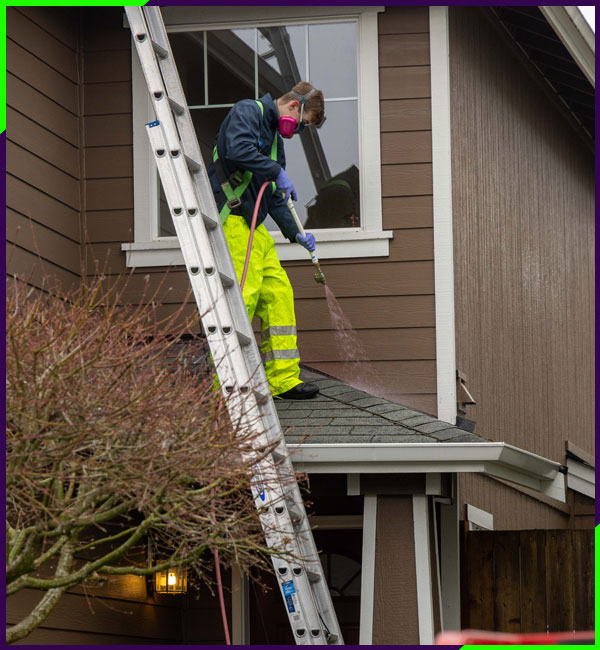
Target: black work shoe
[301,391]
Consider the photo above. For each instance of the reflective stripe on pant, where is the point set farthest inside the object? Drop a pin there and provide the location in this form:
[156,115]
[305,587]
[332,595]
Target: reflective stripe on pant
[268,294]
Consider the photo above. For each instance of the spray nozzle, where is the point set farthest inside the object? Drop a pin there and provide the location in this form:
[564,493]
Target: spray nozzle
[319,275]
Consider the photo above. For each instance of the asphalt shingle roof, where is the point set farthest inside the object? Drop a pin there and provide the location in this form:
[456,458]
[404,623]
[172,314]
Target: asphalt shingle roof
[343,414]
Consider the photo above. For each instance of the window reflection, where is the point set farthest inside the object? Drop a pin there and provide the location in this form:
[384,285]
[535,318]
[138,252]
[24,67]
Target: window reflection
[220,67]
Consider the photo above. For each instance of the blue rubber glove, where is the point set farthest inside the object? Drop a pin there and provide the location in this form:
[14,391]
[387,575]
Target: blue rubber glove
[284,184]
[308,242]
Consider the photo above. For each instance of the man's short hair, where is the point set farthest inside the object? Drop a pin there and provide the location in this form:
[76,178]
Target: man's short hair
[315,104]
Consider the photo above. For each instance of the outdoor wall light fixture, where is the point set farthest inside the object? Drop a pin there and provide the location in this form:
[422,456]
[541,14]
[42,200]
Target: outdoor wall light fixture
[171,581]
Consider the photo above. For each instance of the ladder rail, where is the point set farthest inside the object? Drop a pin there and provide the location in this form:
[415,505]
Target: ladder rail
[230,336]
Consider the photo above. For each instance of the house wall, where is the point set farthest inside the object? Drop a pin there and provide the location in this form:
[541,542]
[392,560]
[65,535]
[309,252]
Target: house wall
[44,165]
[523,204]
[389,301]
[395,610]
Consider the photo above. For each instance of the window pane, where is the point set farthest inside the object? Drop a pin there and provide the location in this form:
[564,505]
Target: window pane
[332,50]
[188,51]
[207,122]
[283,58]
[230,65]
[336,203]
[323,163]
[166,227]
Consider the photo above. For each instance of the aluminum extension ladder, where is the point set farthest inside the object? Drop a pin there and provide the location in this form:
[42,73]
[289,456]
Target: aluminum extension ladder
[229,334]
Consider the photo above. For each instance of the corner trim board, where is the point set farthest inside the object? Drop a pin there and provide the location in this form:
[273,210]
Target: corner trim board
[442,215]
[423,569]
[367,587]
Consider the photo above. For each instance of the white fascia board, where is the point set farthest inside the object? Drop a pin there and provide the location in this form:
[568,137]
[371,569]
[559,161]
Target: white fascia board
[576,35]
[581,478]
[495,458]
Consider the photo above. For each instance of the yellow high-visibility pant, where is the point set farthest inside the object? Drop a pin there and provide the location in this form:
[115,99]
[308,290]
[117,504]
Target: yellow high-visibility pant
[268,294]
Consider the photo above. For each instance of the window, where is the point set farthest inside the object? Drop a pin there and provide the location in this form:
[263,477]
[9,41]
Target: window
[336,169]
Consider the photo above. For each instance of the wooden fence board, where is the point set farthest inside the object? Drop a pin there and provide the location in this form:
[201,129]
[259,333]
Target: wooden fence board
[559,581]
[533,584]
[480,569]
[533,580]
[507,596]
[583,566]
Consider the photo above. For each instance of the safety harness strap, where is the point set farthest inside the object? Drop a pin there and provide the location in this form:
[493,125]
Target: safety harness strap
[236,184]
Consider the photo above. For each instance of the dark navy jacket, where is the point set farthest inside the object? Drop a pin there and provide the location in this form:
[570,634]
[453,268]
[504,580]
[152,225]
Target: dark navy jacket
[244,142]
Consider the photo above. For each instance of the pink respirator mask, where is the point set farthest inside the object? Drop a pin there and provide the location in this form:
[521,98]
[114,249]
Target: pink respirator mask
[289,125]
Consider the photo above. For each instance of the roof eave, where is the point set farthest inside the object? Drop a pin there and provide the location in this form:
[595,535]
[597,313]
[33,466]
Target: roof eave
[576,35]
[494,458]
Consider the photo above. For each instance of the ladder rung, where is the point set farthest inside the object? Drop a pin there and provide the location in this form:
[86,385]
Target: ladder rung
[313,576]
[161,53]
[294,515]
[178,109]
[278,455]
[209,222]
[261,398]
[226,279]
[193,166]
[243,339]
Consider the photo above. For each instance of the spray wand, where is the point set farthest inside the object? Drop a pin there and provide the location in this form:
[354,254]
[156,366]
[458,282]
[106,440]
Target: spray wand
[319,276]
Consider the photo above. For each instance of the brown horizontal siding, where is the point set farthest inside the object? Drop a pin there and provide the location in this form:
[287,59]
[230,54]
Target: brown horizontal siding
[406,147]
[107,98]
[105,31]
[116,617]
[366,312]
[400,83]
[107,66]
[109,226]
[60,22]
[375,344]
[40,43]
[408,212]
[107,106]
[48,244]
[108,162]
[523,202]
[42,143]
[404,49]
[109,194]
[43,157]
[42,208]
[408,114]
[407,180]
[36,270]
[108,130]
[40,174]
[41,76]
[48,637]
[40,109]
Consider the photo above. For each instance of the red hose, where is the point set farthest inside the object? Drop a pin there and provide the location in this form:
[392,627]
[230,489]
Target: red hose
[252,227]
[221,598]
[216,552]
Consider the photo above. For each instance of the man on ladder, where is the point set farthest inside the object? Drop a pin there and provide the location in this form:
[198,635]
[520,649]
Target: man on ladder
[249,151]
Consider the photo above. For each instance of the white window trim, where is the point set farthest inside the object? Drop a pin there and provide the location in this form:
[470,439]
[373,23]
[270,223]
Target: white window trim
[148,249]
